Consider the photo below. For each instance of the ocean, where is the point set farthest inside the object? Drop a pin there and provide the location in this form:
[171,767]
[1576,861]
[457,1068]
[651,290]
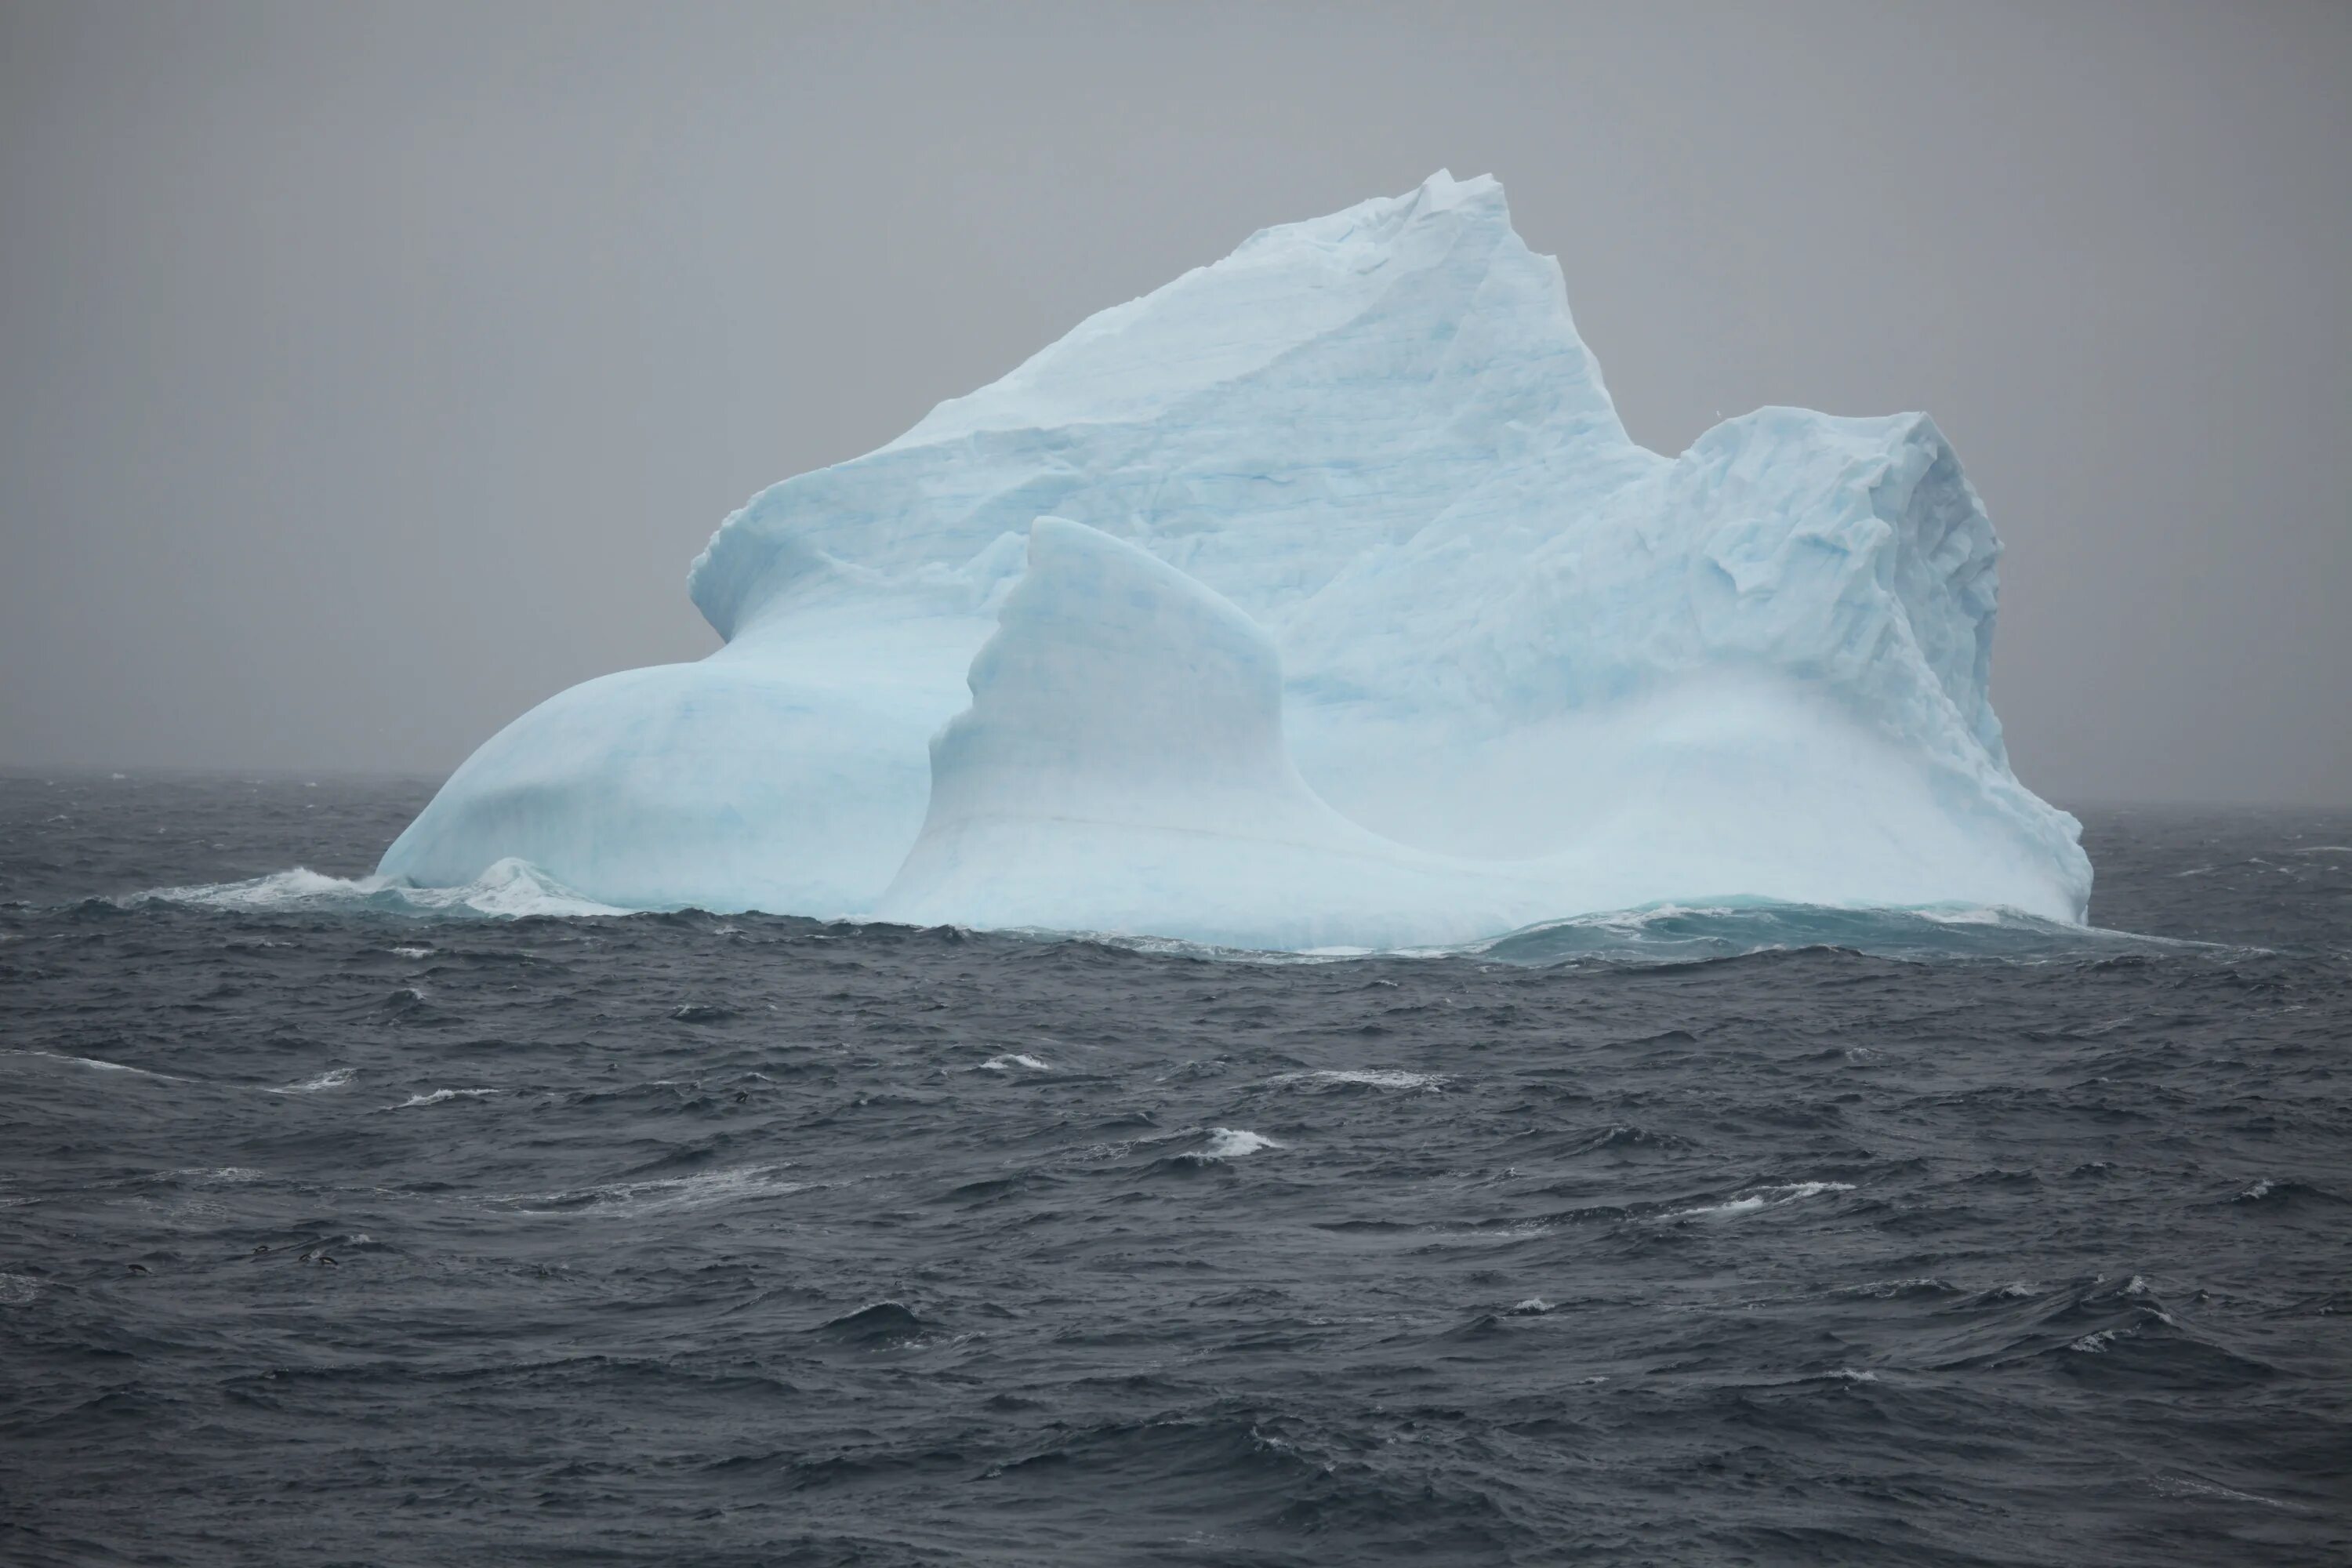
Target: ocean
[340,1226]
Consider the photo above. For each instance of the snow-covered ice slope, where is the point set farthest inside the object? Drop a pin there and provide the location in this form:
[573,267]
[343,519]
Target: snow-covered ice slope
[1525,667]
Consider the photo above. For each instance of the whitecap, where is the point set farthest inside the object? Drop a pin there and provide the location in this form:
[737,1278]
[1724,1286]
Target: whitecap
[511,889]
[1761,1198]
[333,1078]
[97,1065]
[1891,1289]
[1232,1143]
[1965,915]
[2187,1486]
[279,890]
[1007,1063]
[438,1095]
[662,1195]
[1370,1077]
[232,1174]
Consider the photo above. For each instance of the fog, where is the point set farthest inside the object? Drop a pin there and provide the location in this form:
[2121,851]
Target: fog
[372,374]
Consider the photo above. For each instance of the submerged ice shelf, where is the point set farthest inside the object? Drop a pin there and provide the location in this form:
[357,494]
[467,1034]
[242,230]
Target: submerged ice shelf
[1318,598]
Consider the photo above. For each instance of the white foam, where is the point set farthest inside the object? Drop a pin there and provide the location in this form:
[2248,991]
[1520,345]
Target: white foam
[511,889]
[1370,1077]
[439,1095]
[15,1289]
[1986,915]
[279,890]
[1887,1289]
[1231,1144]
[97,1065]
[333,1078]
[1761,1198]
[1007,1063]
[664,1194]
[515,889]
[414,951]
[2185,1486]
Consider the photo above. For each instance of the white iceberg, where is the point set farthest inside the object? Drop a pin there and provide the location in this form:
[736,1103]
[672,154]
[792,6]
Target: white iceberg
[1318,598]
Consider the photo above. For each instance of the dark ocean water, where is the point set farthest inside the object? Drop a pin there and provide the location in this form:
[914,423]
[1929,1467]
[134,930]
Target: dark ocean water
[334,1229]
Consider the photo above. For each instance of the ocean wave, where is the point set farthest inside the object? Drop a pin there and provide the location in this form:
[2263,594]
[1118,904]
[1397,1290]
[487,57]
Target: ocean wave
[2190,1487]
[97,1064]
[1710,932]
[511,889]
[1682,933]
[333,1078]
[1362,1077]
[662,1195]
[441,1097]
[1758,1198]
[1233,1142]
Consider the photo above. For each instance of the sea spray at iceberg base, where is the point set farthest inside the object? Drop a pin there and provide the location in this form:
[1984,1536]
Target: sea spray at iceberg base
[1318,598]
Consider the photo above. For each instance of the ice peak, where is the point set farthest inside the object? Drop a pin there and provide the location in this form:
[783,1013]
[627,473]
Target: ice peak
[1479,196]
[1393,268]
[1441,200]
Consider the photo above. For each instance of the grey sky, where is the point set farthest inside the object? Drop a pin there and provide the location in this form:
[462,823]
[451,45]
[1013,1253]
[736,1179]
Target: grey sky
[368,374]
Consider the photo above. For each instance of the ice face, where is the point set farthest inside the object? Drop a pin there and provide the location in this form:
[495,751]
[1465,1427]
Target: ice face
[1122,768]
[1354,618]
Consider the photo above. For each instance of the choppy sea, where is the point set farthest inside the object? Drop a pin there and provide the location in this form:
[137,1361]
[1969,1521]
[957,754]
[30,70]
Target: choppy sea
[345,1226]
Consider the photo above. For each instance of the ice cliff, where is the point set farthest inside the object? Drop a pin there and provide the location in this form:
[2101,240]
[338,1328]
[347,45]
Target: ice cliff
[1317,598]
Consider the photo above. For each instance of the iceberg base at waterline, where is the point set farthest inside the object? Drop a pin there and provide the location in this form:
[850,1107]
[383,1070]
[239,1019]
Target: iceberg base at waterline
[1316,599]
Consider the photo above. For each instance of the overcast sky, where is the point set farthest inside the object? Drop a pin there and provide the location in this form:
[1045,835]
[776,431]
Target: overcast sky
[369,373]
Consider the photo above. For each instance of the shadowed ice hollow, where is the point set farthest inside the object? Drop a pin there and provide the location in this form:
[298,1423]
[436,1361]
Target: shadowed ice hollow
[1318,598]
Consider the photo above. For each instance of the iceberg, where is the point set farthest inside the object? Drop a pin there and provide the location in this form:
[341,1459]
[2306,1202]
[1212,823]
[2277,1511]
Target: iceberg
[1316,599]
